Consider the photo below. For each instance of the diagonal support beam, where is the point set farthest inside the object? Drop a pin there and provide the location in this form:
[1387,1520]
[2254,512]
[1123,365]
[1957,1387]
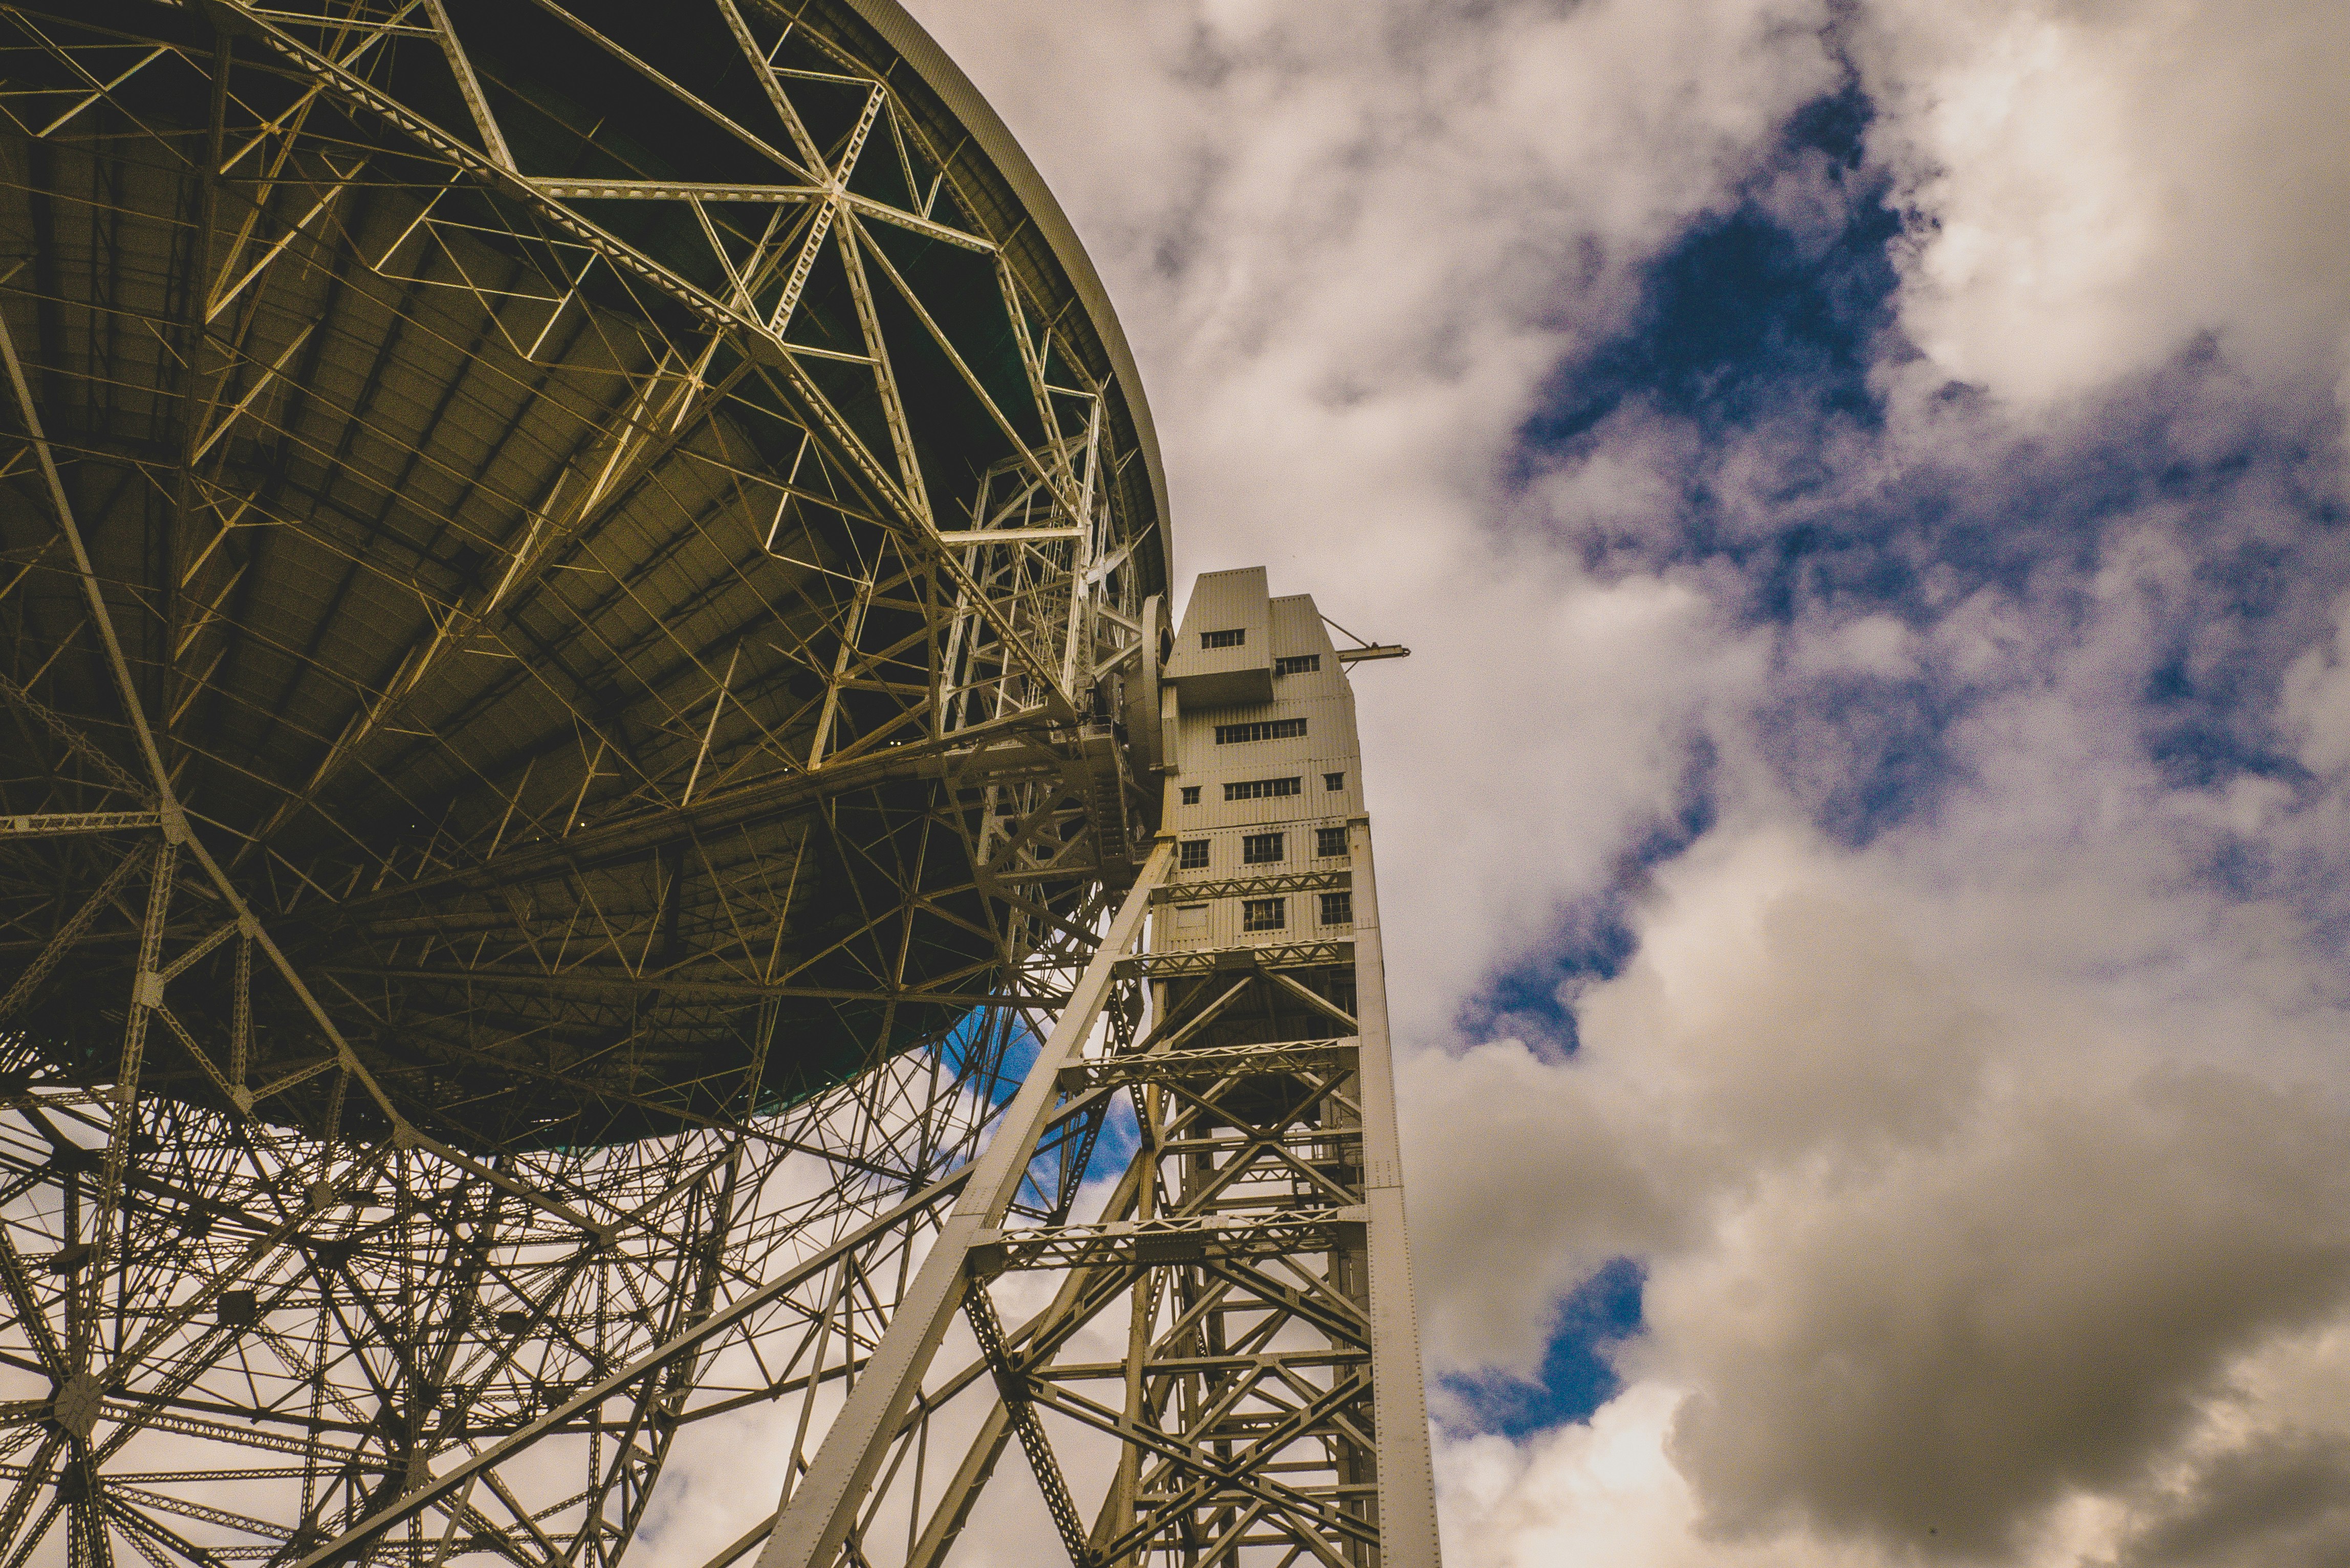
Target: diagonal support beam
[816,1518]
[70,933]
[1011,1384]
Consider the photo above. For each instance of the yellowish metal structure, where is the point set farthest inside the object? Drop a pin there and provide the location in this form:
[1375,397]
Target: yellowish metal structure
[581,653]
[1251,1254]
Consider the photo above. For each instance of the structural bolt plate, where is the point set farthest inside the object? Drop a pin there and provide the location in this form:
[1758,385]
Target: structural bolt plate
[75,1406]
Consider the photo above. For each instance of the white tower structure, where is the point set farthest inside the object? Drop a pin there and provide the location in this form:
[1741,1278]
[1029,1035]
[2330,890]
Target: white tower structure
[1266,956]
[1266,1404]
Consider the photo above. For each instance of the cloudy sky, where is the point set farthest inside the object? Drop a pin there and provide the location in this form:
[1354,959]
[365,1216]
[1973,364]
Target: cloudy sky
[1863,826]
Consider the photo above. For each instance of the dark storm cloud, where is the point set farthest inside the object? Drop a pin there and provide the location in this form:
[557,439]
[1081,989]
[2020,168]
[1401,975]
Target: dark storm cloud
[2281,1501]
[1933,1357]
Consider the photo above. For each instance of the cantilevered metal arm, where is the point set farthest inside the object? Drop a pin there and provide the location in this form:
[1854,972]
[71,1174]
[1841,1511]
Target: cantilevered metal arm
[815,1518]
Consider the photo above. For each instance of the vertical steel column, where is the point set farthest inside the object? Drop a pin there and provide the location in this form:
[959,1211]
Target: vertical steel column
[1406,1480]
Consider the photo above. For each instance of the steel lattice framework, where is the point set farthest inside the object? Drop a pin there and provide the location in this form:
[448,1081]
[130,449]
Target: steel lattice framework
[579,582]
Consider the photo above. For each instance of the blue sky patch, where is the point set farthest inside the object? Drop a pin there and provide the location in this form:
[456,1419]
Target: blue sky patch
[1776,306]
[1864,753]
[1576,1375]
[1593,940]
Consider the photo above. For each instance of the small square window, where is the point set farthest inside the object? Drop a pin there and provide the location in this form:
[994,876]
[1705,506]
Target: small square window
[1337,909]
[1329,843]
[1334,781]
[1232,638]
[1191,919]
[1264,914]
[1297,664]
[1261,850]
[1191,794]
[1192,854]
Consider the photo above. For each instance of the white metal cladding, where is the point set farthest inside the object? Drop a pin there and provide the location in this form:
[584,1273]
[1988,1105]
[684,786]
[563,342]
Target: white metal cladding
[1225,602]
[1297,629]
[1218,923]
[1226,857]
[1323,698]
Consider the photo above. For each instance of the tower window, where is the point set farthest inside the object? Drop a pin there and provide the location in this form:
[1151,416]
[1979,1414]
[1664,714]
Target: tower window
[1232,638]
[1337,909]
[1329,843]
[1262,730]
[1261,789]
[1192,854]
[1260,848]
[1334,781]
[1191,794]
[1297,664]
[1264,914]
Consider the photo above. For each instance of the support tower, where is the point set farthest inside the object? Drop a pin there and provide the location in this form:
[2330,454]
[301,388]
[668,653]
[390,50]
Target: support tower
[1227,1343]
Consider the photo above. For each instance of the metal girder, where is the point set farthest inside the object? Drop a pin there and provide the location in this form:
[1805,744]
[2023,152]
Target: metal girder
[817,1514]
[513,886]
[1212,1062]
[1267,1407]
[1268,955]
[1407,1507]
[709,1327]
[1206,1238]
[50,822]
[1255,887]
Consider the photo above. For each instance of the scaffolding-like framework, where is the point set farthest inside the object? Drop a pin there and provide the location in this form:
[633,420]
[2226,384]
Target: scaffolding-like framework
[572,579]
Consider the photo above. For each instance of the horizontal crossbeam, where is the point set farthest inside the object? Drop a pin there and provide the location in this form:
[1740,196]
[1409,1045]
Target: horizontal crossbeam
[1210,961]
[1255,887]
[1207,1238]
[49,823]
[1213,1062]
[679,987]
[669,190]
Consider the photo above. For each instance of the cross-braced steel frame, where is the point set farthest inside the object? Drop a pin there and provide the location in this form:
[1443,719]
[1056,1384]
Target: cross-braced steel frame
[1220,1358]
[565,574]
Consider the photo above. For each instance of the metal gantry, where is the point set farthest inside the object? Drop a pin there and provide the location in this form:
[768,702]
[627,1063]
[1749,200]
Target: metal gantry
[580,689]
[1226,1366]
